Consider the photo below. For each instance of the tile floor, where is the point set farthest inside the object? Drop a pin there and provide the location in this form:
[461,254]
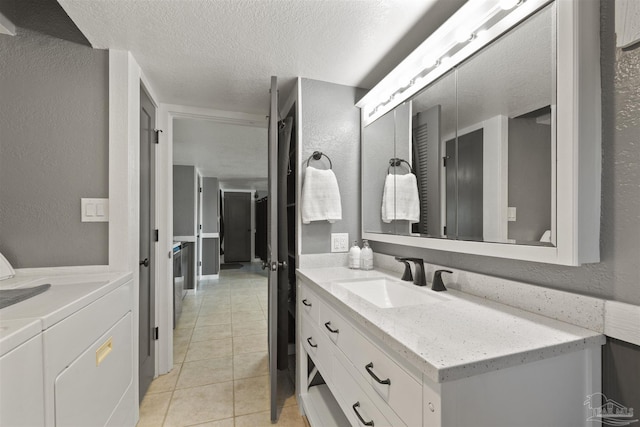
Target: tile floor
[220,375]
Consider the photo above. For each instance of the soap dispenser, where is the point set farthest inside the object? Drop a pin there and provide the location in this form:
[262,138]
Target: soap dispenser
[366,256]
[354,256]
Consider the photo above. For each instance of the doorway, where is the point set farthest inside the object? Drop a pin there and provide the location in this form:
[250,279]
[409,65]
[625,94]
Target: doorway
[146,356]
[237,227]
[464,186]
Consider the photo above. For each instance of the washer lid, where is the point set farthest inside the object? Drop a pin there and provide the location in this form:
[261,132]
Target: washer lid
[6,271]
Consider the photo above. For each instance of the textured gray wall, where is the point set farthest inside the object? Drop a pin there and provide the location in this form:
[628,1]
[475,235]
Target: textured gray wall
[210,197]
[380,147]
[331,124]
[53,149]
[184,203]
[529,179]
[617,276]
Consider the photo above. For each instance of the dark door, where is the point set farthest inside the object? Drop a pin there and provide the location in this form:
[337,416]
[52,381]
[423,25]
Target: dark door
[470,214]
[147,243]
[237,227]
[449,160]
[272,263]
[464,186]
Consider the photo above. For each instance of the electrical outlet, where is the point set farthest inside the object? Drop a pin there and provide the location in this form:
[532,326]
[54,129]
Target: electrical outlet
[339,242]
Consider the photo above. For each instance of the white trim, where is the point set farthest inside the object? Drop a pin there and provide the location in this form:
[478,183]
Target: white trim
[6,26]
[48,271]
[124,180]
[210,235]
[164,180]
[191,239]
[627,22]
[622,321]
[210,277]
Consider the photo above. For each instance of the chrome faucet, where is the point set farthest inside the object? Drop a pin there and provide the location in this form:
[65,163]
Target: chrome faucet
[420,278]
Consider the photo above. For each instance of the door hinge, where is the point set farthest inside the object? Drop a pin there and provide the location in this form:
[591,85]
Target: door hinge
[157,140]
[156,235]
[444,230]
[199,263]
[444,162]
[201,189]
[156,333]
[200,226]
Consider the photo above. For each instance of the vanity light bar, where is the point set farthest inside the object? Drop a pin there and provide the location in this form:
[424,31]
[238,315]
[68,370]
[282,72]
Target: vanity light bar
[480,20]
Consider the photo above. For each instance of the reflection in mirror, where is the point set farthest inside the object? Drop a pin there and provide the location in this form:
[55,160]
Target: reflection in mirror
[482,144]
[434,119]
[380,147]
[506,94]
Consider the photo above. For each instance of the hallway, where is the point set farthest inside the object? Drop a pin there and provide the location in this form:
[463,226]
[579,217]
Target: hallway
[220,375]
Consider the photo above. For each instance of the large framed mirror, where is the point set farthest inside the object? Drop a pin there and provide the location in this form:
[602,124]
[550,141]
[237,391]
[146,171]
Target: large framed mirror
[488,142]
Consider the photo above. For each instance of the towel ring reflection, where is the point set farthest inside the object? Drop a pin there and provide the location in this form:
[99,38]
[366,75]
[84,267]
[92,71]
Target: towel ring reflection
[317,155]
[395,162]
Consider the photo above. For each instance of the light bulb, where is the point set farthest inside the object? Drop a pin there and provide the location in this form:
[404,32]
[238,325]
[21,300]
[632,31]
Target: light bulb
[463,36]
[508,4]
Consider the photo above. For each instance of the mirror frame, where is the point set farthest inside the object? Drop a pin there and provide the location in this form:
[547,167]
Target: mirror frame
[578,157]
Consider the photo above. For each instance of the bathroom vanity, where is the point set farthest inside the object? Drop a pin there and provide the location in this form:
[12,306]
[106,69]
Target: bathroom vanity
[373,350]
[66,355]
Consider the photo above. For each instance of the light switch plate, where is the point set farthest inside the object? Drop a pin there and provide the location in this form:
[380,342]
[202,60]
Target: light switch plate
[94,210]
[339,242]
[511,214]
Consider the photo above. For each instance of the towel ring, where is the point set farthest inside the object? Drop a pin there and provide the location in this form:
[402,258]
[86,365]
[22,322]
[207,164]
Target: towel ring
[317,155]
[395,162]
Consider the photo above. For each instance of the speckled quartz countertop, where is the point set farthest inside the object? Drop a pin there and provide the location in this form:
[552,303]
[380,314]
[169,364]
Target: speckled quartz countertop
[458,337]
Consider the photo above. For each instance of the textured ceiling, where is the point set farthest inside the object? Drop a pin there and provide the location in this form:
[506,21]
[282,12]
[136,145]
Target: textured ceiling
[228,152]
[221,53]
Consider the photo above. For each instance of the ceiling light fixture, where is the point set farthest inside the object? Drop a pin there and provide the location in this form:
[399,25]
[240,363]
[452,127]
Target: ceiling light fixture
[474,25]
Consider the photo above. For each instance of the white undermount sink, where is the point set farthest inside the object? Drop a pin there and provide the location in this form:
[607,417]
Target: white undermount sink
[386,293]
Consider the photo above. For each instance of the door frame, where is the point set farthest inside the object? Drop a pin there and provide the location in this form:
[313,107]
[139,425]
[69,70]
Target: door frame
[125,80]
[164,179]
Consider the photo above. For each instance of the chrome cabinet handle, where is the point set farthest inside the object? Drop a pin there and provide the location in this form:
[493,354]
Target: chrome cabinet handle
[355,409]
[369,368]
[310,343]
[307,303]
[333,331]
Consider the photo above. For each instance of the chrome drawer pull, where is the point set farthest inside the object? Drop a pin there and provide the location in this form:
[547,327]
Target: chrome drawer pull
[369,368]
[333,331]
[355,409]
[312,345]
[305,302]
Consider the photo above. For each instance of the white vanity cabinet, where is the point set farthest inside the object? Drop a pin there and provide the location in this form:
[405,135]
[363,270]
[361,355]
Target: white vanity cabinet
[374,384]
[366,382]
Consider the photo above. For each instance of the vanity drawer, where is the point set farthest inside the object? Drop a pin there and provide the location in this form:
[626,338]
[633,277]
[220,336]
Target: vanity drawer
[308,302]
[339,331]
[316,345]
[398,388]
[391,382]
[356,404]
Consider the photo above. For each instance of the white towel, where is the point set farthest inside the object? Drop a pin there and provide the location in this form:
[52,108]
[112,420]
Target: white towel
[320,199]
[400,198]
